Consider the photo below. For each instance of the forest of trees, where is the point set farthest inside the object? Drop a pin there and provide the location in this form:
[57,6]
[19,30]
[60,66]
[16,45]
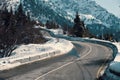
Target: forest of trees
[16,28]
[80,30]
[51,25]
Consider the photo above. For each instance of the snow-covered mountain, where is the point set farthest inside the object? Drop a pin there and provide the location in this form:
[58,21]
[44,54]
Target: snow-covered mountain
[9,4]
[63,12]
[113,6]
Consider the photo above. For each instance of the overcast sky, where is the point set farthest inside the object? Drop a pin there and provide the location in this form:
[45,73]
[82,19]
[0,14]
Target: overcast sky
[112,6]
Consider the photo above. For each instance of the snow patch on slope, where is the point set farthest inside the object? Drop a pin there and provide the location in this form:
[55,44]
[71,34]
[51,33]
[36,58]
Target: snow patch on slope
[60,10]
[113,6]
[10,4]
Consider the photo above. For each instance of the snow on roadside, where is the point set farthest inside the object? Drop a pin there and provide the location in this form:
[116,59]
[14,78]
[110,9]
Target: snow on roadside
[117,58]
[113,70]
[24,52]
[57,31]
[115,65]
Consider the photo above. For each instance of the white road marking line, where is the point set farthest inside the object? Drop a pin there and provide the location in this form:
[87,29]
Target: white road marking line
[53,70]
[102,66]
[90,49]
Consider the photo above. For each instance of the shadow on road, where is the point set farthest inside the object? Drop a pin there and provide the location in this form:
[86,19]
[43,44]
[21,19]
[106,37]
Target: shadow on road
[2,79]
[97,62]
[31,66]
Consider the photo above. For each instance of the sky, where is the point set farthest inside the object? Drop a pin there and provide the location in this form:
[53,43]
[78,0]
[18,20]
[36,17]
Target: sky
[113,6]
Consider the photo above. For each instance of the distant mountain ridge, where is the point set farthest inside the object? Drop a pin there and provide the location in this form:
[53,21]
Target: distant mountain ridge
[63,12]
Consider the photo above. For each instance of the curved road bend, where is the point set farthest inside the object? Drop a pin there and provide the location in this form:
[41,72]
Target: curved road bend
[68,67]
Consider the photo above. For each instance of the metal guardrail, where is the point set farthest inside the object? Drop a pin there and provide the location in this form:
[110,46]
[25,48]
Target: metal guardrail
[32,58]
[38,57]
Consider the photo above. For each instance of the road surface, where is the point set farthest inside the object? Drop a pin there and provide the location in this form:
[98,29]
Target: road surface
[92,58]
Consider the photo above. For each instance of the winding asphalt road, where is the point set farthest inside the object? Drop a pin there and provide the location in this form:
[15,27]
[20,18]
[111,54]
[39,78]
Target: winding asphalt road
[85,65]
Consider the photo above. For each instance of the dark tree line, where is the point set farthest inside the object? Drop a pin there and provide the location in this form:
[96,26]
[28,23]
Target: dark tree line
[107,36]
[79,29]
[16,28]
[51,25]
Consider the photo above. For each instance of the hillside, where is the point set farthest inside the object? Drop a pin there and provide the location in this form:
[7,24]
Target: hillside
[97,19]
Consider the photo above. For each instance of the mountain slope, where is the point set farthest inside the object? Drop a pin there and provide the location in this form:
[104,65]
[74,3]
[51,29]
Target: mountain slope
[63,12]
[86,7]
[51,9]
[113,6]
[97,19]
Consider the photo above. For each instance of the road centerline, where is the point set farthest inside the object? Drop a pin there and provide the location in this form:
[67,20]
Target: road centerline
[90,49]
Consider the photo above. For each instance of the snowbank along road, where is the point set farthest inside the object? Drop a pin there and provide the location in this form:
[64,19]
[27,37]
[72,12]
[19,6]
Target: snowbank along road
[85,65]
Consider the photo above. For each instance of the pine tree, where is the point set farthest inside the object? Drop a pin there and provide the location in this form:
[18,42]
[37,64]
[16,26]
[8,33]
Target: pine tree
[78,28]
[5,16]
[16,29]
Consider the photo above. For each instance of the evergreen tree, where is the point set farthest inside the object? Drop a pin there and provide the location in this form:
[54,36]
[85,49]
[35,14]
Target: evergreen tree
[52,25]
[78,28]
[17,29]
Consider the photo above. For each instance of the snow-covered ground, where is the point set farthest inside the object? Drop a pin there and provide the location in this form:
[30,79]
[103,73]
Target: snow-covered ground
[32,52]
[117,58]
[112,71]
[114,68]
[57,31]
